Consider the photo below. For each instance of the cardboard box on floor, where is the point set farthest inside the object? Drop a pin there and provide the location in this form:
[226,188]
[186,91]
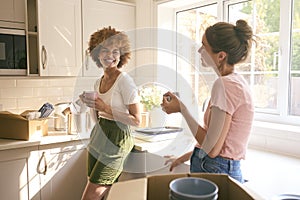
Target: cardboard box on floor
[14,126]
[156,187]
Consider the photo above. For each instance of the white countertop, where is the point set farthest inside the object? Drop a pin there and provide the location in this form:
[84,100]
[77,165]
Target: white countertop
[52,138]
[174,145]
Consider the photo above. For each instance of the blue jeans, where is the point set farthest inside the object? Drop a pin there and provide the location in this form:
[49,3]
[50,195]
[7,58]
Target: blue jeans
[202,163]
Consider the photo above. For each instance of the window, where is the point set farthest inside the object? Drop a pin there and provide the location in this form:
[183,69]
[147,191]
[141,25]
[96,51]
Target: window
[191,23]
[272,70]
[261,69]
[294,103]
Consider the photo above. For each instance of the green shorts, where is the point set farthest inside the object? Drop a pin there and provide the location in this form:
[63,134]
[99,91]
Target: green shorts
[110,144]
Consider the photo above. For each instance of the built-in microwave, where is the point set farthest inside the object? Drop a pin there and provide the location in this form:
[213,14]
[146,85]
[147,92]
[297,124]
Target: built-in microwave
[13,54]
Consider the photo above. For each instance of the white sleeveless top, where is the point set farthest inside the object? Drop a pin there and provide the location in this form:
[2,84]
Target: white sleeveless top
[122,93]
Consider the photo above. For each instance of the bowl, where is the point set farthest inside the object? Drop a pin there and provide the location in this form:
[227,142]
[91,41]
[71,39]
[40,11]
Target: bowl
[192,188]
[287,197]
[172,197]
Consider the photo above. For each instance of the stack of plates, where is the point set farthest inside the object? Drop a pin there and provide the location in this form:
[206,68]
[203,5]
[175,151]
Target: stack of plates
[191,188]
[287,197]
[157,133]
[159,130]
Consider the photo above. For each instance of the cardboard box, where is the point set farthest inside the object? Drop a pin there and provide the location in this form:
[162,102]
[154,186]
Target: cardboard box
[14,126]
[157,188]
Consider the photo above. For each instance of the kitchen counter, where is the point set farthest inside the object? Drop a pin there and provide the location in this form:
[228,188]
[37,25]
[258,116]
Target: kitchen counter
[176,145]
[53,137]
[37,169]
[149,155]
[155,148]
[65,157]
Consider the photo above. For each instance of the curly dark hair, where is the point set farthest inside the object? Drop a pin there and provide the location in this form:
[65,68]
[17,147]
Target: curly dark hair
[108,36]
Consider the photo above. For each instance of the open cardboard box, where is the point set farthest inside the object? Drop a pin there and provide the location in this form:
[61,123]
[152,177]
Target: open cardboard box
[156,187]
[14,126]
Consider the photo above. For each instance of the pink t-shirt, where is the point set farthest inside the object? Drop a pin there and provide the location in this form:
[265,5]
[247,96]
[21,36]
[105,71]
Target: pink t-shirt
[232,94]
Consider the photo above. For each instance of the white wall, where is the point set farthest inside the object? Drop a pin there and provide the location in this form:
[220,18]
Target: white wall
[278,138]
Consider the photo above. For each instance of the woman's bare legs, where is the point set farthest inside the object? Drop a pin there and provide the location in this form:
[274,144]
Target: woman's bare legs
[94,191]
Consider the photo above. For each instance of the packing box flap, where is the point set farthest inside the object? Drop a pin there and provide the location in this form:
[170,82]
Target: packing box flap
[157,187]
[9,115]
[135,189]
[24,114]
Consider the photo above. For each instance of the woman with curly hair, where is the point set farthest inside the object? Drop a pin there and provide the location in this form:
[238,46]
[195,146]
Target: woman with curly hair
[117,107]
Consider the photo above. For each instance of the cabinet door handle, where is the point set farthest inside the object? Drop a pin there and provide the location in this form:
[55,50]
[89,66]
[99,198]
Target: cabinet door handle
[43,157]
[44,57]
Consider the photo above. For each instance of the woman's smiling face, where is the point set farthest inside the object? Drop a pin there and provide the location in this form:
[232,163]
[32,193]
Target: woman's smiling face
[109,56]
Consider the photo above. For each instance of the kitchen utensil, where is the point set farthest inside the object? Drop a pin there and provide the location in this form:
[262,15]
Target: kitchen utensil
[61,118]
[46,110]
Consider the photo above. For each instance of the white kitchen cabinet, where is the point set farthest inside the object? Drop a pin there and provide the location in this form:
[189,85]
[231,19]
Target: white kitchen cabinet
[97,14]
[34,184]
[12,11]
[57,171]
[13,173]
[54,37]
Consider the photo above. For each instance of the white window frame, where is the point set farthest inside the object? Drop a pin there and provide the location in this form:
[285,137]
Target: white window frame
[275,131]
[281,114]
[266,115]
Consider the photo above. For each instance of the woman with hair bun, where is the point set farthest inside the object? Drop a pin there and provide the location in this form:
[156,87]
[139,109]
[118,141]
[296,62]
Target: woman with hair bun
[222,140]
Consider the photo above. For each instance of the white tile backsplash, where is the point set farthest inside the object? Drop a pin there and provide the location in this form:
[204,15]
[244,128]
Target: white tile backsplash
[30,93]
[32,83]
[6,83]
[16,92]
[8,104]
[48,92]
[69,91]
[61,82]
[31,103]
